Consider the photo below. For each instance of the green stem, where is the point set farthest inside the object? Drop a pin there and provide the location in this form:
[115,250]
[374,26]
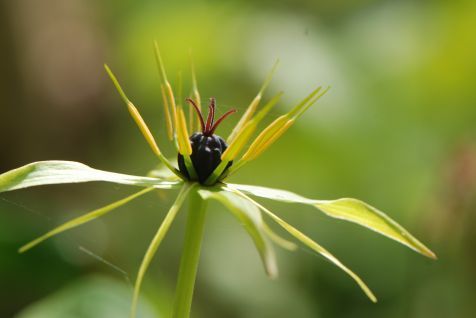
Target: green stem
[190,256]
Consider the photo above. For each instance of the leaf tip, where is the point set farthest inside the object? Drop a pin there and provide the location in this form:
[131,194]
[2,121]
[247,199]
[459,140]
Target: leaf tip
[373,298]
[428,253]
[425,251]
[24,248]
[271,268]
[273,275]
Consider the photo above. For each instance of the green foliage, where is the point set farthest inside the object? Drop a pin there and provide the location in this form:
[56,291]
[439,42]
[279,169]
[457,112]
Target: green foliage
[234,197]
[92,297]
[246,210]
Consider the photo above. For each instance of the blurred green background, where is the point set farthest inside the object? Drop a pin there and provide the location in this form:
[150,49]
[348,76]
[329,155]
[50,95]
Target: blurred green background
[397,129]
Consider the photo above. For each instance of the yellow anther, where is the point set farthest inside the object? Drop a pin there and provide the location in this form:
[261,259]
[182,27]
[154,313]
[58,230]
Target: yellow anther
[168,118]
[264,136]
[143,128]
[182,134]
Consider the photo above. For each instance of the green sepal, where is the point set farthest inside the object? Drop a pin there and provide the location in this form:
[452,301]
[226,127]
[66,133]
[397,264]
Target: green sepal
[83,219]
[62,172]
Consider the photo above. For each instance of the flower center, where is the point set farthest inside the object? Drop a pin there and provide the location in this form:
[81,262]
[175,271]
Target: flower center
[207,147]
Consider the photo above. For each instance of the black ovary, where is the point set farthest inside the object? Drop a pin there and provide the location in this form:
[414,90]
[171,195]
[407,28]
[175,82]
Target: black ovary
[206,154]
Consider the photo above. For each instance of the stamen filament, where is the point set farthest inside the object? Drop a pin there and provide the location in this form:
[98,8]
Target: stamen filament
[219,120]
[211,116]
[199,112]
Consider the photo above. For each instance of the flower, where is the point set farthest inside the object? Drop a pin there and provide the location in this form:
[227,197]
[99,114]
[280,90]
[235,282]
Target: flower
[205,162]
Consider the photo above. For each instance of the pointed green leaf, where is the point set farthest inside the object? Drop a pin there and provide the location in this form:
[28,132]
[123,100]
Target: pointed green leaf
[60,172]
[251,219]
[83,219]
[347,209]
[154,244]
[312,245]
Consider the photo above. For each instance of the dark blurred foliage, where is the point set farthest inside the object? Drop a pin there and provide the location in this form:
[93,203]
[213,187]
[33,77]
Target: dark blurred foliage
[397,130]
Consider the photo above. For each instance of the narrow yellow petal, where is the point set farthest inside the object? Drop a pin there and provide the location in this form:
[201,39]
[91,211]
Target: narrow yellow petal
[168,118]
[173,106]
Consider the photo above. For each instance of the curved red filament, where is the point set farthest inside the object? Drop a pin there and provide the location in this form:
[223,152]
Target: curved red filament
[211,115]
[199,112]
[210,126]
[219,120]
